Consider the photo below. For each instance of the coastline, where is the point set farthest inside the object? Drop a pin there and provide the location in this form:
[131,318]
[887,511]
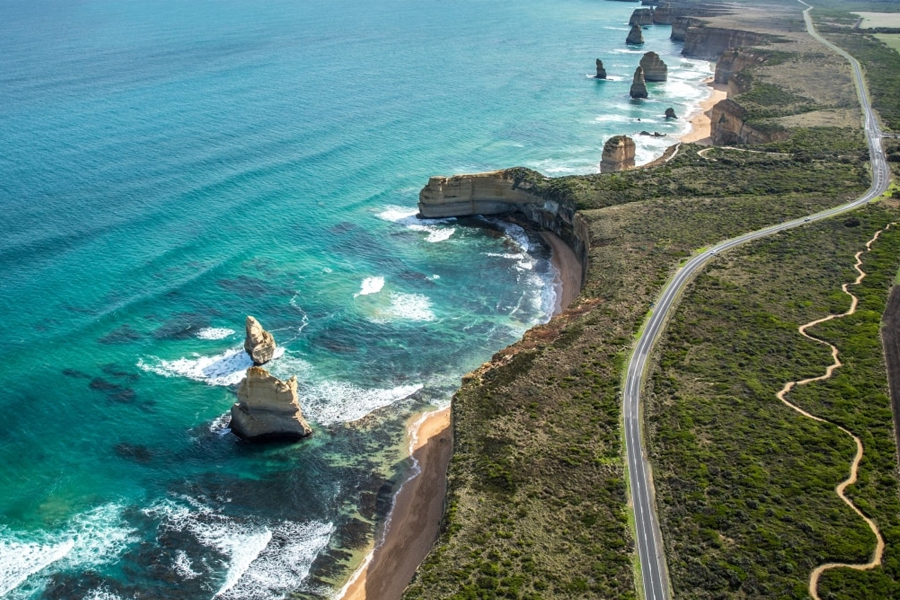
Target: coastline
[414,521]
[701,125]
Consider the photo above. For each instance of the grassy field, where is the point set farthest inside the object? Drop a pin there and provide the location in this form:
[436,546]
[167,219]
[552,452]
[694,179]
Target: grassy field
[745,486]
[871,20]
[891,40]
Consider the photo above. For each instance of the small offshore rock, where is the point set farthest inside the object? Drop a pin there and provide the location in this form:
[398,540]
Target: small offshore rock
[618,154]
[259,343]
[654,67]
[268,408]
[670,113]
[635,36]
[601,72]
[638,85]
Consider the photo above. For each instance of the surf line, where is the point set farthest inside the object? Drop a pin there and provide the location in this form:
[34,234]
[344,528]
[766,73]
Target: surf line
[854,466]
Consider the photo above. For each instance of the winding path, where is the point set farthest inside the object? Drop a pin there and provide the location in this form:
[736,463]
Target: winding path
[648,538]
[854,466]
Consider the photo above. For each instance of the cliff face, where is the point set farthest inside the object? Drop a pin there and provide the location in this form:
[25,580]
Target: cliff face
[709,43]
[641,16]
[733,60]
[728,126]
[680,26]
[618,154]
[505,192]
[663,15]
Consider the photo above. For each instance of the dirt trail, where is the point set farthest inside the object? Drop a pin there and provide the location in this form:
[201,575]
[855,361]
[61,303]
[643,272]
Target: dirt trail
[854,466]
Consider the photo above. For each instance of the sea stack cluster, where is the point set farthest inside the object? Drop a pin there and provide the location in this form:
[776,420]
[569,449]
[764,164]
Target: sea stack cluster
[267,408]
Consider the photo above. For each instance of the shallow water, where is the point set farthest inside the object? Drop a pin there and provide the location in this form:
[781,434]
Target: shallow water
[167,168]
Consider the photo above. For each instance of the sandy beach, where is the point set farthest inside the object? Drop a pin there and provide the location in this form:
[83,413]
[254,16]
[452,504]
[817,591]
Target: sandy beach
[568,281]
[700,123]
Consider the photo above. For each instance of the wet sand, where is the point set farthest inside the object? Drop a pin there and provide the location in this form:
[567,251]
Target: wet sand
[700,123]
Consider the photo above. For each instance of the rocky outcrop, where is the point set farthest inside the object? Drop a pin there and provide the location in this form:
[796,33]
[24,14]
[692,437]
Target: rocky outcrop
[511,191]
[663,15]
[601,72]
[709,43]
[670,113]
[641,16]
[728,125]
[638,84]
[268,409]
[680,26]
[735,59]
[259,343]
[654,67]
[618,154]
[635,36]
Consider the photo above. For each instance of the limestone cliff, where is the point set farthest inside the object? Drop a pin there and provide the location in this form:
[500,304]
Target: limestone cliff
[663,15]
[728,125]
[638,84]
[680,26]
[635,36]
[511,191]
[618,154]
[641,16]
[601,72]
[735,59]
[709,43]
[258,343]
[268,408]
[654,67]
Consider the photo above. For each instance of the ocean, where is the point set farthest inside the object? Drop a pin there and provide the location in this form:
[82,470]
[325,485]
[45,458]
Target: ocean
[168,168]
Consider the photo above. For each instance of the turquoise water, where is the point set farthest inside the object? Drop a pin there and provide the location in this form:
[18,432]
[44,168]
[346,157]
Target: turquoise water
[169,167]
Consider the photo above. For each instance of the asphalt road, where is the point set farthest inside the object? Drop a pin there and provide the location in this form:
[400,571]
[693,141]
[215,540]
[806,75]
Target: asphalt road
[647,532]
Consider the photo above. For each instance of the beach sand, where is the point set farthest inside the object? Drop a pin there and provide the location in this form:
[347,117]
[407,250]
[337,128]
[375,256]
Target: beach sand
[414,519]
[700,123]
[416,515]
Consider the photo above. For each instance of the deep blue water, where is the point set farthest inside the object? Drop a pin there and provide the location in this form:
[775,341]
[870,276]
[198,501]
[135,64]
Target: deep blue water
[169,167]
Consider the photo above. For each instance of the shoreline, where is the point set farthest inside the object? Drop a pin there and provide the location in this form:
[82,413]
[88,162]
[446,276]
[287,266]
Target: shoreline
[413,523]
[701,126]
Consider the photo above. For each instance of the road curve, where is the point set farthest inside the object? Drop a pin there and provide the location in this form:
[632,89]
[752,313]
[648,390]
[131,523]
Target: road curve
[647,533]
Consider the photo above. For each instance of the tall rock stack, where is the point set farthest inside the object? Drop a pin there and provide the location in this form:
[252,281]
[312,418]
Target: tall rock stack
[654,68]
[638,85]
[259,343]
[268,408]
[663,15]
[635,36]
[641,16]
[601,72]
[618,154]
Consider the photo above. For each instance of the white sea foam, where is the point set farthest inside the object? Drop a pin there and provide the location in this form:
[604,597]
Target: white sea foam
[265,560]
[404,307]
[91,539]
[407,217]
[332,402]
[227,368]
[214,333]
[397,213]
[370,285]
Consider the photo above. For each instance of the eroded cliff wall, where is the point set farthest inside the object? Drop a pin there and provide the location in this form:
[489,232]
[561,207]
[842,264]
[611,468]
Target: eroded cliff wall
[709,43]
[728,125]
[505,192]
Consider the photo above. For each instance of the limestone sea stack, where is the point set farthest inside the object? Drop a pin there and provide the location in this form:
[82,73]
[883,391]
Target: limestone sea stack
[618,154]
[670,113]
[268,409]
[654,68]
[259,343]
[641,16]
[638,85]
[601,72]
[635,36]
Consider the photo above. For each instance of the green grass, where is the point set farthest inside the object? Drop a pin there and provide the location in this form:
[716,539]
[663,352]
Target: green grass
[891,40]
[745,484]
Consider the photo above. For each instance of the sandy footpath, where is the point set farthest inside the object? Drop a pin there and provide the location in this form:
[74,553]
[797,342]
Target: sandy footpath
[700,123]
